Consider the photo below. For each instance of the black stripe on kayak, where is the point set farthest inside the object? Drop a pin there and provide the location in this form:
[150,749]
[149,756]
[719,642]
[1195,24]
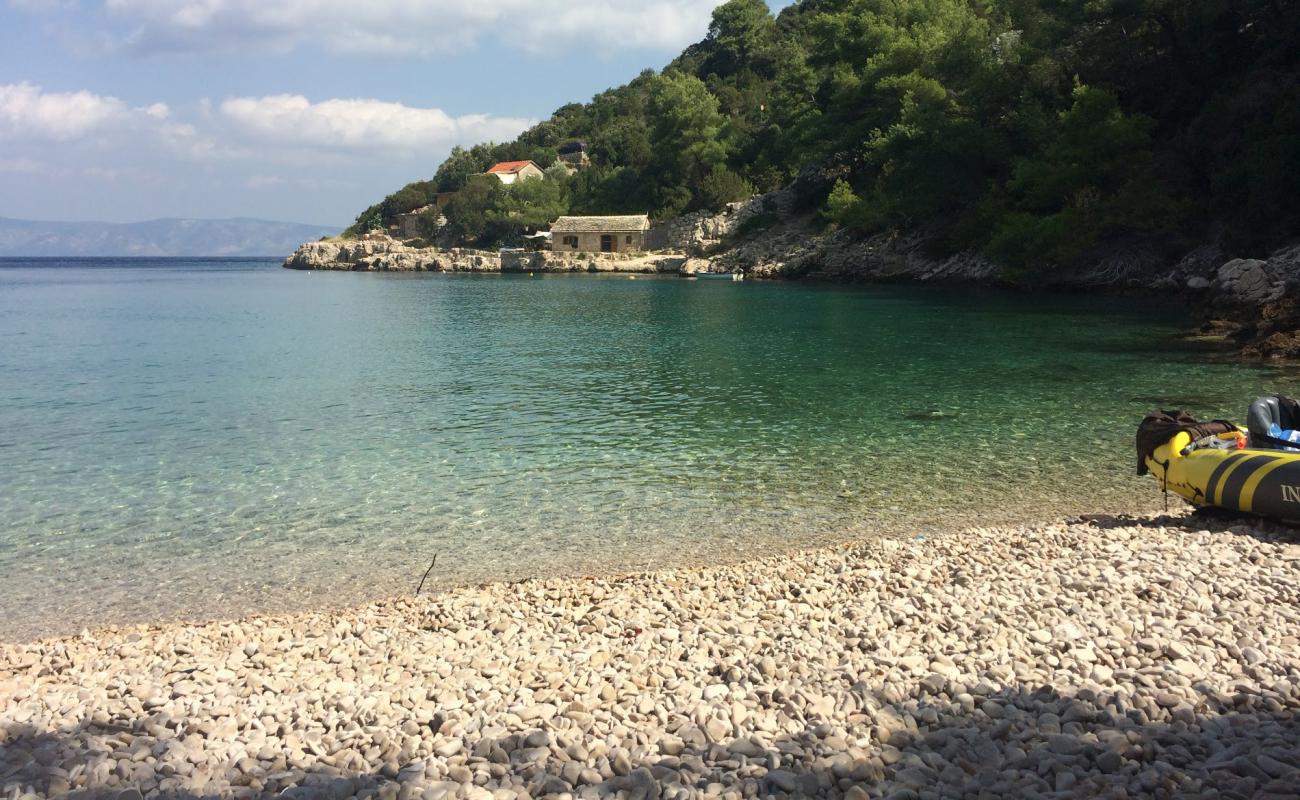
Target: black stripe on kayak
[1272,499]
[1237,480]
[1218,473]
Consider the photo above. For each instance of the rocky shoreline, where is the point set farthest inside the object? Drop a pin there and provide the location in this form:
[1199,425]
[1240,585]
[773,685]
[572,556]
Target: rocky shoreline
[1248,303]
[389,255]
[1136,657]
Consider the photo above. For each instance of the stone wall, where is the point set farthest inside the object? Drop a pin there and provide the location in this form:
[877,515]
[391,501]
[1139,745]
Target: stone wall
[590,241]
[687,233]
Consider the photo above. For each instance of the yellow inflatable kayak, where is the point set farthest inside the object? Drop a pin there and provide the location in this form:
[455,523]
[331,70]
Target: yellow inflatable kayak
[1225,474]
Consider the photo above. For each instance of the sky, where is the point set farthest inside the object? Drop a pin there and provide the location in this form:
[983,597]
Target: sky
[295,110]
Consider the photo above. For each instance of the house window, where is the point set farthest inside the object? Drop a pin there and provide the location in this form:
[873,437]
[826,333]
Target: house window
[571,241]
[627,240]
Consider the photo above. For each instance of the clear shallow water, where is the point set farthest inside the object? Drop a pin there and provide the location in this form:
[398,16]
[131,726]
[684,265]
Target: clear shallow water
[196,438]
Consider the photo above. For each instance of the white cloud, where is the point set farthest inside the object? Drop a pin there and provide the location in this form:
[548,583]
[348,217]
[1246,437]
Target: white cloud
[286,127]
[28,112]
[359,124]
[40,121]
[334,155]
[405,27]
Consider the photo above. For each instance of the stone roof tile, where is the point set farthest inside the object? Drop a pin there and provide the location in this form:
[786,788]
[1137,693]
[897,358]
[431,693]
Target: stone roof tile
[619,224]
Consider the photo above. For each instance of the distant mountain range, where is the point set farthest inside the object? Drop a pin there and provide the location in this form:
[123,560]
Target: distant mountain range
[158,237]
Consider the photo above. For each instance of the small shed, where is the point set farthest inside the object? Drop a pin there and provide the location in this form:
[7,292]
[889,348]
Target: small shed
[537,241]
[600,234]
[511,171]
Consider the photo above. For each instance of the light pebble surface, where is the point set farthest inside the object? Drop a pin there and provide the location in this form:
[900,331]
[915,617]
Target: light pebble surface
[1152,657]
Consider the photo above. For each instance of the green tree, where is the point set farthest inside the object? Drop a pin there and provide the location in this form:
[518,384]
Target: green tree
[686,135]
[741,36]
[528,205]
[469,211]
[722,186]
[1093,178]
[408,198]
[624,142]
[845,208]
[608,190]
[461,164]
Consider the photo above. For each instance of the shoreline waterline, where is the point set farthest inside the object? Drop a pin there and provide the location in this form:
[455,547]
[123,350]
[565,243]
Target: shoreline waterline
[1077,657]
[448,574]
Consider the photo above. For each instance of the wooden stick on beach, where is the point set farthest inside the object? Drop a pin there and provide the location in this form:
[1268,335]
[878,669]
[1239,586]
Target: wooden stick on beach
[426,574]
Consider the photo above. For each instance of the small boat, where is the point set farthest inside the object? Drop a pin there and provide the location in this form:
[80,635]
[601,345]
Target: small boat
[1218,464]
[721,276]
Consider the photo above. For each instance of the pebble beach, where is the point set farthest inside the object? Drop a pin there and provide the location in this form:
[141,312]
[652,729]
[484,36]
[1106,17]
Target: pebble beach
[1100,657]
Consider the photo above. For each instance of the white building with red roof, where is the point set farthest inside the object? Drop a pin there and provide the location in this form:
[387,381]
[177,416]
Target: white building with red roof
[511,171]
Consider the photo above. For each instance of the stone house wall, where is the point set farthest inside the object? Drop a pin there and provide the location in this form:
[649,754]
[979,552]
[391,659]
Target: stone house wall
[590,242]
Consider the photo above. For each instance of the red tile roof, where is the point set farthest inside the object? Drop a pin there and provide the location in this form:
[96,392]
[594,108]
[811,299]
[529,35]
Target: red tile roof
[509,166]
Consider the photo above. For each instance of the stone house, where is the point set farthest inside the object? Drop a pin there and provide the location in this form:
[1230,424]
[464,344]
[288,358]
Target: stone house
[511,171]
[574,155]
[417,224]
[619,234]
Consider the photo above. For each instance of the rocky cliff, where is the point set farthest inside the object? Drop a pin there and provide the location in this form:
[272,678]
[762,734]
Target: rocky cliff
[768,236]
[794,253]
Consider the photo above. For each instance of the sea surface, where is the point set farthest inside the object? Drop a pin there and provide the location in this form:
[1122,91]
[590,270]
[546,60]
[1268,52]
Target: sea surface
[198,438]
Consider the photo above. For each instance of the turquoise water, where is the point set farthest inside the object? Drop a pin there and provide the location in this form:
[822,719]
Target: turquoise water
[197,438]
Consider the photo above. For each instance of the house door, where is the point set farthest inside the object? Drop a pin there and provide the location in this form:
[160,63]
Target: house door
[608,244]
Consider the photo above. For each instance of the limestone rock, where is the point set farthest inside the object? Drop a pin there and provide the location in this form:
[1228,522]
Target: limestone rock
[389,255]
[1250,281]
[694,265]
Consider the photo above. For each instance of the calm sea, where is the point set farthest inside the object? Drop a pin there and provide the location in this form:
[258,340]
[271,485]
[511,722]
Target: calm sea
[198,438]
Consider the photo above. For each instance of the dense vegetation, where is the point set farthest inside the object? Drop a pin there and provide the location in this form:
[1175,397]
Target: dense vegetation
[1031,130]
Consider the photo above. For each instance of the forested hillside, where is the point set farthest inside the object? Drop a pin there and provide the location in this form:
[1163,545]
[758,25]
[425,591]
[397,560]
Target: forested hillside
[1033,131]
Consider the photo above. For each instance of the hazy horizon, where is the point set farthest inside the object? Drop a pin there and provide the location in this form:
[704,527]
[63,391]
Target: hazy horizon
[177,218]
